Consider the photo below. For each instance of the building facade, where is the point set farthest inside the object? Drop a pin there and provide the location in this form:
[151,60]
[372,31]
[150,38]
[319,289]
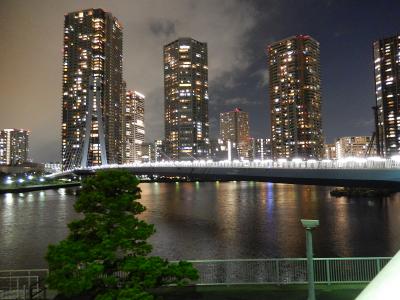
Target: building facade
[261,149]
[330,151]
[14,146]
[133,132]
[92,84]
[352,146]
[186,99]
[234,127]
[387,88]
[295,98]
[154,151]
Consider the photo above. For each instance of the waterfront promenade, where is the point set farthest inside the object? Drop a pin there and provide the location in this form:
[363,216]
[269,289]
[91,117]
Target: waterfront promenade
[336,278]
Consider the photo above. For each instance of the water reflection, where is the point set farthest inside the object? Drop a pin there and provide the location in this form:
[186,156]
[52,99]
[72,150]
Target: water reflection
[204,220]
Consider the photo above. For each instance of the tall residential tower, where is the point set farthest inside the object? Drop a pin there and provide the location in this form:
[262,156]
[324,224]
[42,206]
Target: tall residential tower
[387,86]
[234,127]
[14,146]
[133,126]
[92,82]
[186,99]
[295,98]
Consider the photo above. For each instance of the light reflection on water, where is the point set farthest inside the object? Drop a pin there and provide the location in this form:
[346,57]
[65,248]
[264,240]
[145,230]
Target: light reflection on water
[204,220]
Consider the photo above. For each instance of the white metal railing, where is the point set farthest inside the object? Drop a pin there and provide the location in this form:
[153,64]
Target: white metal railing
[288,270]
[243,271]
[18,284]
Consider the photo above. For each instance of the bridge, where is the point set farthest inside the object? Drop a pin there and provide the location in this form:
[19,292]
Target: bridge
[372,171]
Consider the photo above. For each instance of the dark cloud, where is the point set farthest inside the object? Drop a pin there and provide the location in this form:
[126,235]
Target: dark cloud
[236,102]
[164,28]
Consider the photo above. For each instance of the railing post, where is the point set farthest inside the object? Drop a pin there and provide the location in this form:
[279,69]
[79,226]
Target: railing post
[277,271]
[37,284]
[328,272]
[29,278]
[378,266]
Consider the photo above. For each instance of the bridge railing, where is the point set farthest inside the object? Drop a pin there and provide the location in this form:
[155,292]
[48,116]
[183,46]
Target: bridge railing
[350,163]
[346,163]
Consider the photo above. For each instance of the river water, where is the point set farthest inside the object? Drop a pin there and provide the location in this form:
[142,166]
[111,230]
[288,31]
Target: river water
[214,220]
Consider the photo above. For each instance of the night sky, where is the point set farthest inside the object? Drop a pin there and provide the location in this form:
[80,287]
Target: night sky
[237,33]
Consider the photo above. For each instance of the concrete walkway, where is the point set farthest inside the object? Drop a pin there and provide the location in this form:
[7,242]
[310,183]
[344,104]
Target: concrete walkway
[260,292]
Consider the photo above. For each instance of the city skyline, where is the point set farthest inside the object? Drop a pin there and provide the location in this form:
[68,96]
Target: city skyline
[231,80]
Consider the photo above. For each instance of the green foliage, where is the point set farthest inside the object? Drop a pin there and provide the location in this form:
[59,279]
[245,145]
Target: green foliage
[106,252]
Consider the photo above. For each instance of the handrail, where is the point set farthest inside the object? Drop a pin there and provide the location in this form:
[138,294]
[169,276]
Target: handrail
[264,271]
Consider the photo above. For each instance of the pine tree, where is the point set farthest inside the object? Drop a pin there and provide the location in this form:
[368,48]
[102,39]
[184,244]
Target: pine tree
[106,253]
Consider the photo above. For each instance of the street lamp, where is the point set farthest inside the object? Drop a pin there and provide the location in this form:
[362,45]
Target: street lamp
[309,225]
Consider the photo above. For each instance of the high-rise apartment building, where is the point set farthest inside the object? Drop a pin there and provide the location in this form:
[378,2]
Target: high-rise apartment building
[92,83]
[295,98]
[330,151]
[260,149]
[352,146]
[133,131]
[153,152]
[387,87]
[234,127]
[14,146]
[186,99]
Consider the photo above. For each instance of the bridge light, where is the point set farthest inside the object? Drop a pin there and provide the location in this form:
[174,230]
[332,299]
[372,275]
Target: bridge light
[395,157]
[375,158]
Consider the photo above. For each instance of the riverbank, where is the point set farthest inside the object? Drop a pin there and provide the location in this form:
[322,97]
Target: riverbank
[38,187]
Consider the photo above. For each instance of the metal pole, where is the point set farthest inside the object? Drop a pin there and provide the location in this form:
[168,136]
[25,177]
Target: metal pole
[310,265]
[309,225]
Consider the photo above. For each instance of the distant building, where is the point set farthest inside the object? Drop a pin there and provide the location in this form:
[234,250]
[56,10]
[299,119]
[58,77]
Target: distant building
[352,146]
[52,167]
[133,131]
[154,151]
[261,149]
[92,84]
[330,151]
[14,146]
[147,151]
[186,99]
[234,127]
[295,98]
[387,85]
[219,150]
[26,167]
